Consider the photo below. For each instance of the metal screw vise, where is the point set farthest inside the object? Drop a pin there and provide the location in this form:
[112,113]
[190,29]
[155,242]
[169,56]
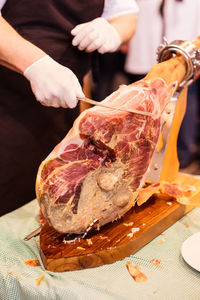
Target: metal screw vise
[190,53]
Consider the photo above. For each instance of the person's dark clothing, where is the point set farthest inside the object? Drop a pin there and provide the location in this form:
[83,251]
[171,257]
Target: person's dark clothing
[28,130]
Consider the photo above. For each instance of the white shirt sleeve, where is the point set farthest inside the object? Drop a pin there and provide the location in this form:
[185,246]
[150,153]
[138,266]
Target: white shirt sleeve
[2,2]
[115,8]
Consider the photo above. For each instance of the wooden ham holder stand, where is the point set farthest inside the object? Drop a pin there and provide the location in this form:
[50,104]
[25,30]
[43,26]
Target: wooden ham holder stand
[141,224]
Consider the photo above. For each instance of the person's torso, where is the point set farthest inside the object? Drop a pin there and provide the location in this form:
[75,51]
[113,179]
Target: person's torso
[142,47]
[180,21]
[48,23]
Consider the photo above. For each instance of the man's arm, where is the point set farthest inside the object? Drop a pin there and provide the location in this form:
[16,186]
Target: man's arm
[123,17]
[16,53]
[52,84]
[120,24]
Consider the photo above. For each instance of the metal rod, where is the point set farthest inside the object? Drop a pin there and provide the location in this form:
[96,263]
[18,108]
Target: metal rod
[33,234]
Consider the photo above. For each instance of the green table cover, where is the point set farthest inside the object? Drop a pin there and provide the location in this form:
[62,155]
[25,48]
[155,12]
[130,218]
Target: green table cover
[172,278]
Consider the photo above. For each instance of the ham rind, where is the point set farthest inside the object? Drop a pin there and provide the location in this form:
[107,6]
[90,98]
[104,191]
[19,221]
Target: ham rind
[97,170]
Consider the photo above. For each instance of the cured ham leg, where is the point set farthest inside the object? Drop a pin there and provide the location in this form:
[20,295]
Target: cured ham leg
[96,172]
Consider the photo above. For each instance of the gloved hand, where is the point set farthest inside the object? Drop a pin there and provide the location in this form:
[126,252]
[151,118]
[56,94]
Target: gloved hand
[96,35]
[53,84]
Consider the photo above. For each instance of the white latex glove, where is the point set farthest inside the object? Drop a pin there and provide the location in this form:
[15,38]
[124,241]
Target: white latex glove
[53,84]
[96,35]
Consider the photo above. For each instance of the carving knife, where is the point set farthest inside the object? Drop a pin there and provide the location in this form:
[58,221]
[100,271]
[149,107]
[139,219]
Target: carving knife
[135,111]
[79,236]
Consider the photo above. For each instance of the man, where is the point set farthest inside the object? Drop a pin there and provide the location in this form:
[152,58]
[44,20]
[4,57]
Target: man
[45,51]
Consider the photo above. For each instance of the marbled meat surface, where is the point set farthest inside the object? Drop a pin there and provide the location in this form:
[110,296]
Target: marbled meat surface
[96,172]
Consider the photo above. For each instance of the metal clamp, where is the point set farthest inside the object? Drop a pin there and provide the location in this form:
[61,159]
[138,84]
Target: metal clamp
[189,51]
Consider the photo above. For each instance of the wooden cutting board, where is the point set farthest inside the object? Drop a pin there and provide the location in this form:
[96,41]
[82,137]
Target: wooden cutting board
[116,240]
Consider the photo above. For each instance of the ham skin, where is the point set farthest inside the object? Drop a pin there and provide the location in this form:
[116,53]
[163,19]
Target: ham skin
[97,170]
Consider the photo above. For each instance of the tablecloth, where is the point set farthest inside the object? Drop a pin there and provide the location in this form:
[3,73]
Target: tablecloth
[169,276]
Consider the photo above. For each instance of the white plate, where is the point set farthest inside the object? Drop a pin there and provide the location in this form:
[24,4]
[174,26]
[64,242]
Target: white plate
[190,251]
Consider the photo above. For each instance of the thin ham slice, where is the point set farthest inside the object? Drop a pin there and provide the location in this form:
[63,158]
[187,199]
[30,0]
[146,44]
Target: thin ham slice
[96,172]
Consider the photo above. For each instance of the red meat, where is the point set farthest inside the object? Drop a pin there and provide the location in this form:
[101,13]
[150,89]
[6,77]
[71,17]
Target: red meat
[96,172]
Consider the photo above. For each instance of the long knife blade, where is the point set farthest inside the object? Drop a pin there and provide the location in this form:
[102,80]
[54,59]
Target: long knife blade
[93,102]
